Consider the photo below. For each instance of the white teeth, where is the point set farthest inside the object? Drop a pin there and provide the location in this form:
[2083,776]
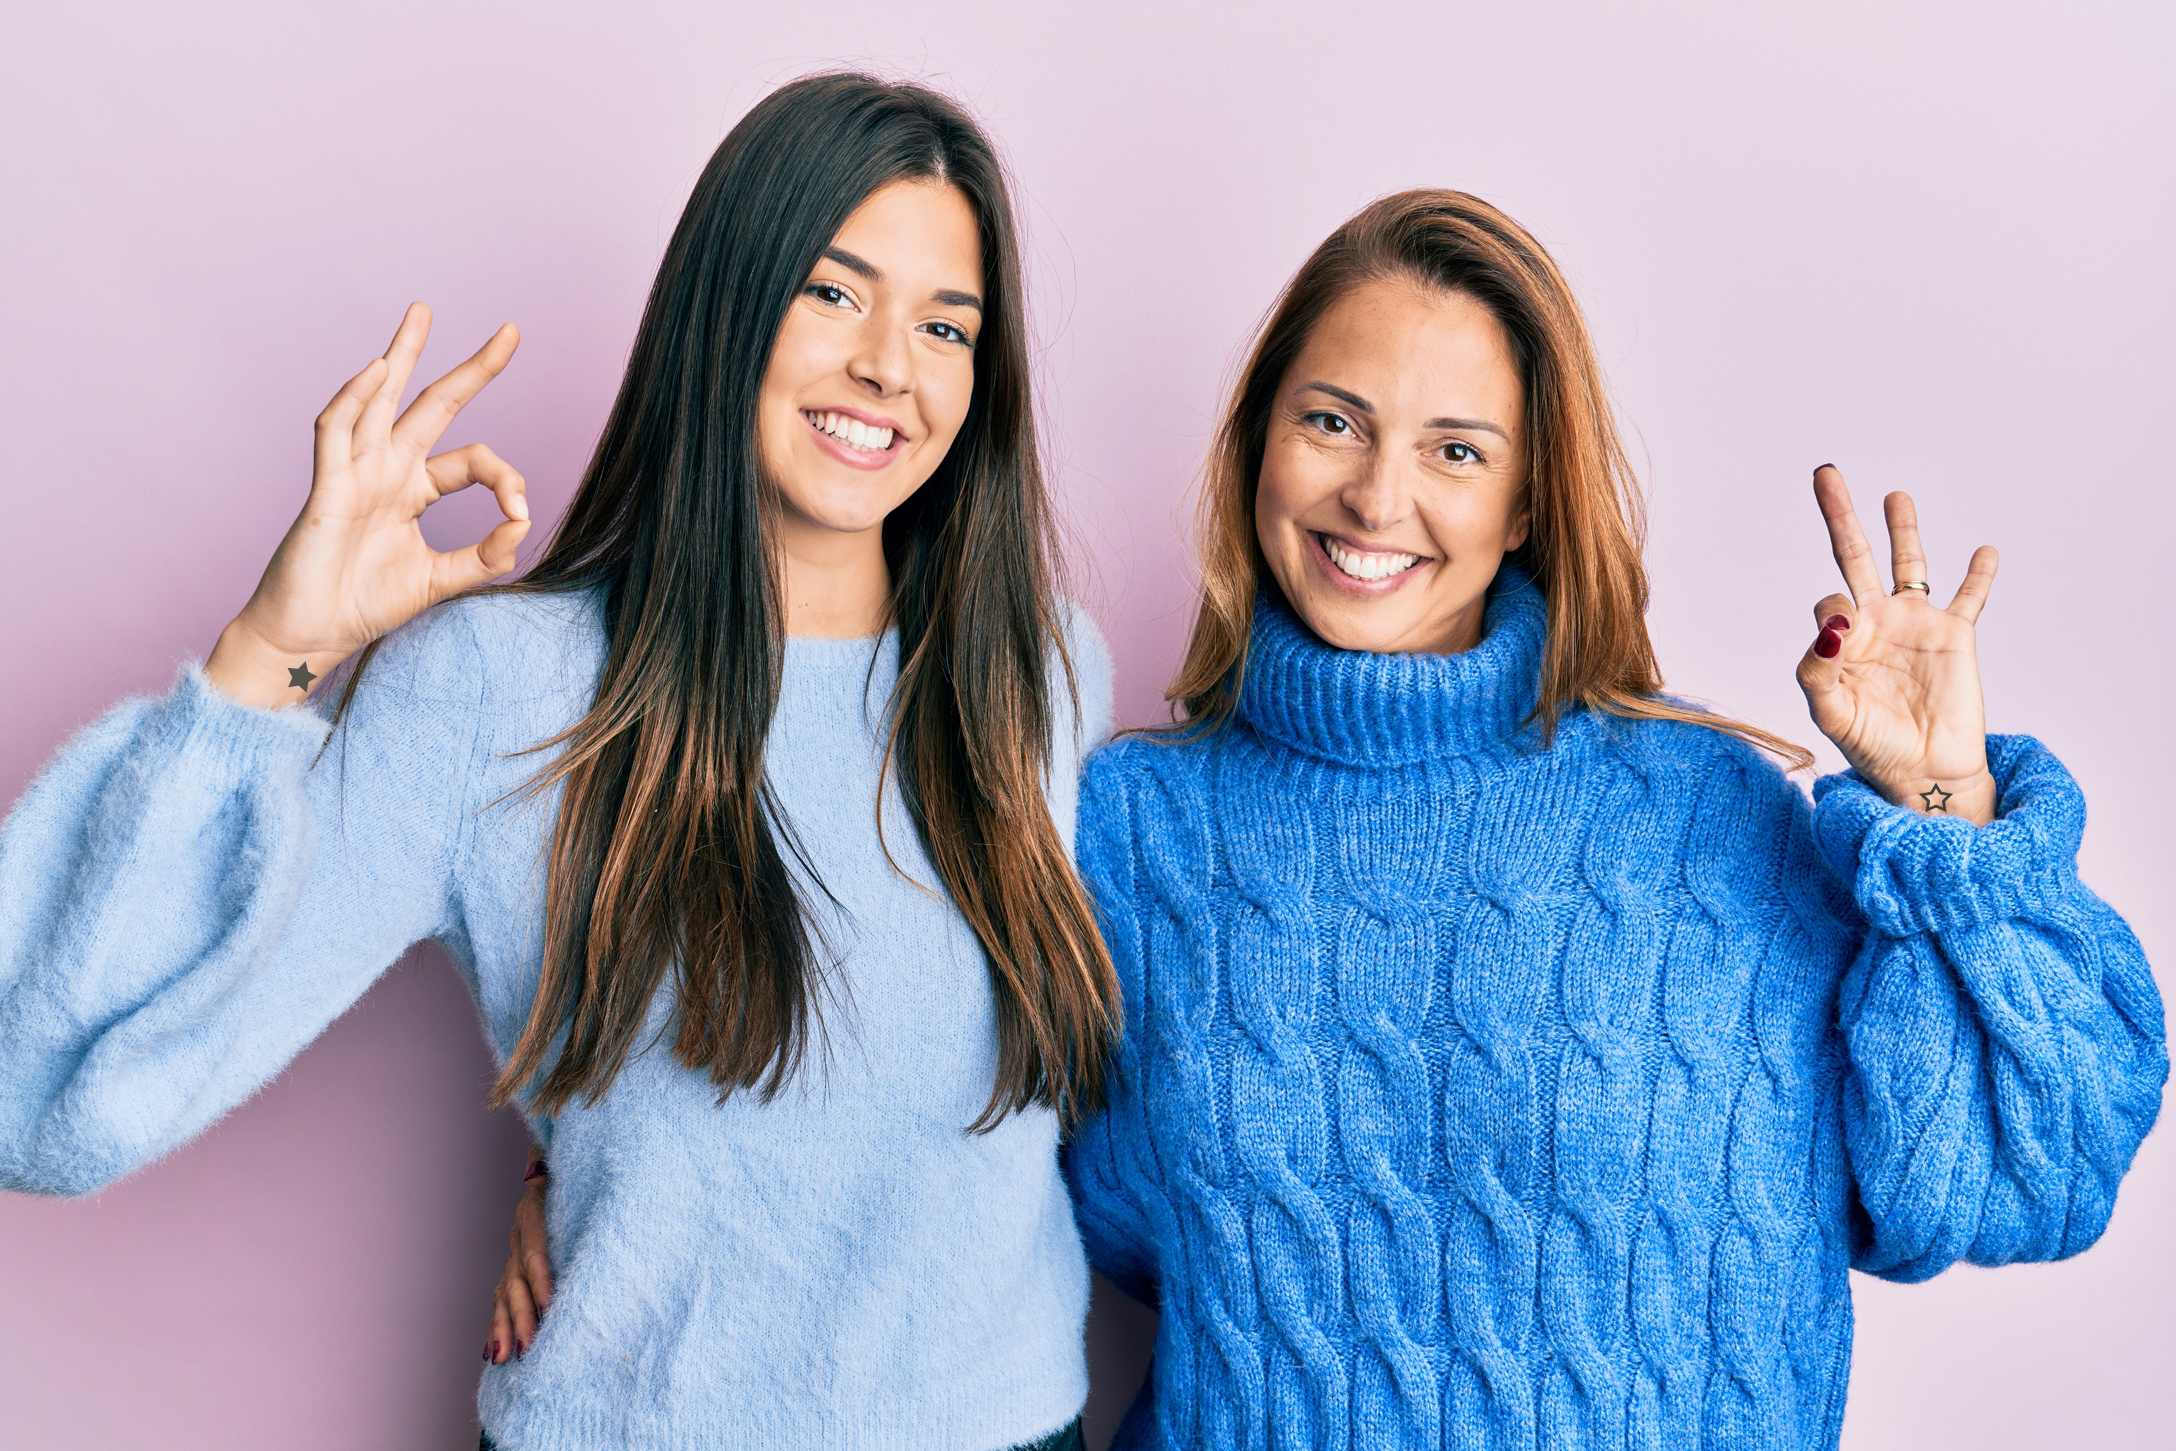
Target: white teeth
[852,431]
[1366,566]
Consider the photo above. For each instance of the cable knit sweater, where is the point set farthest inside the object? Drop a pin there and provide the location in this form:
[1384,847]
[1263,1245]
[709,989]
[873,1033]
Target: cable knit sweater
[186,901]
[1480,1094]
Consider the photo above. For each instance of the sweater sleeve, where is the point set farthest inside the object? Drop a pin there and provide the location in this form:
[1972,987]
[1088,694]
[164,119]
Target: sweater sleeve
[194,889]
[2004,1039]
[1108,1151]
[1080,716]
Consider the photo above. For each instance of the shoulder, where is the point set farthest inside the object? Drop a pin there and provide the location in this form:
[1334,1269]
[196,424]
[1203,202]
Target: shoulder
[1694,752]
[1743,828]
[495,649]
[1149,764]
[1081,682]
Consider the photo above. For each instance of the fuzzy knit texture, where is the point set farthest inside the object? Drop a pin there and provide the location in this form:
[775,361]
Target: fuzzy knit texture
[1480,1094]
[186,901]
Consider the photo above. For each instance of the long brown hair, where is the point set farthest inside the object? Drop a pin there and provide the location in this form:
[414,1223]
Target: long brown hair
[670,855]
[1583,549]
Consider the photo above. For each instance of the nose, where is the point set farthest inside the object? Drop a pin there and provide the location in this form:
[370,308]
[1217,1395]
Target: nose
[1378,495]
[883,363]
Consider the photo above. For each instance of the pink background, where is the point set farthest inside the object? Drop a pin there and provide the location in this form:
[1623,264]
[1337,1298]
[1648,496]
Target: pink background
[1930,242]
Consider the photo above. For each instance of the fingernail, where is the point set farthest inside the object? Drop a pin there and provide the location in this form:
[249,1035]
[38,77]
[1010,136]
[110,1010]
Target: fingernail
[1818,468]
[521,508]
[487,1355]
[1838,623]
[491,1352]
[518,1349]
[536,1171]
[1827,644]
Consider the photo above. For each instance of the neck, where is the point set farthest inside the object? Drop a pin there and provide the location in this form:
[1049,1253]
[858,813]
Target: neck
[1464,630]
[837,585]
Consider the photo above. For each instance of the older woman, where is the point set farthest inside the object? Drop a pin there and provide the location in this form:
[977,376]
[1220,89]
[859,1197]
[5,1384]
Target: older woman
[1514,1056]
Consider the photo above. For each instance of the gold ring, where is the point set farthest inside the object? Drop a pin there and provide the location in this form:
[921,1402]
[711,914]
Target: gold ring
[1905,584]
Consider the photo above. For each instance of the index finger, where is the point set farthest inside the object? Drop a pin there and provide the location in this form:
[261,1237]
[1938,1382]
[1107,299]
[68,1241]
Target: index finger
[434,408]
[400,360]
[1854,556]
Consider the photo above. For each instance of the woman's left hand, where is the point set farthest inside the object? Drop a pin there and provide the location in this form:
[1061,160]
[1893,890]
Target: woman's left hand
[1893,679]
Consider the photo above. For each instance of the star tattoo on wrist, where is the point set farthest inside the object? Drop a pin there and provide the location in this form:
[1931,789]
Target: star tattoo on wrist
[300,677]
[1936,799]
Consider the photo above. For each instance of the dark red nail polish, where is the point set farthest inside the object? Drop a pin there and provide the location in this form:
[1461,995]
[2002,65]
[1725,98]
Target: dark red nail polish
[1819,467]
[1838,623]
[518,1349]
[493,1352]
[1827,643]
[487,1355]
[536,1171]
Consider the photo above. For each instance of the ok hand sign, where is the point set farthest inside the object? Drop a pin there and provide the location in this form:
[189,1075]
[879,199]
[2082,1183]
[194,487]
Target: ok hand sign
[1894,679]
[355,565]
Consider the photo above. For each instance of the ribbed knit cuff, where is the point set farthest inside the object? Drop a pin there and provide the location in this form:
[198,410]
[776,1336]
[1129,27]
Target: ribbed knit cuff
[223,742]
[1913,873]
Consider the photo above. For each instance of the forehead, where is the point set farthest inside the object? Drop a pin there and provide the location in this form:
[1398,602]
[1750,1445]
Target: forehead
[921,230]
[1399,343]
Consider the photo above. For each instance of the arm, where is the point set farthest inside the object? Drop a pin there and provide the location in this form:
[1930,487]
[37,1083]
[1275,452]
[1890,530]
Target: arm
[1110,1146]
[2004,1039]
[186,901]
[185,898]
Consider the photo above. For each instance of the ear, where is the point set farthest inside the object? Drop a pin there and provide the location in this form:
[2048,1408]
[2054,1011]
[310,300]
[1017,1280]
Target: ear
[1522,521]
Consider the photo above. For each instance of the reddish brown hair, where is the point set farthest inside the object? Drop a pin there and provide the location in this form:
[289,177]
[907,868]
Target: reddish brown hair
[1583,550]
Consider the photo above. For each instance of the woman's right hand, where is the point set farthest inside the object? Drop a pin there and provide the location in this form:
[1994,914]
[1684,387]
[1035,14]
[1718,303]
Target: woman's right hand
[525,1288]
[355,565]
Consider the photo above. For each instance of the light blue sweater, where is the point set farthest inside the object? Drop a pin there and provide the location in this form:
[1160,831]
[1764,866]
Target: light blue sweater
[186,901]
[1475,1094]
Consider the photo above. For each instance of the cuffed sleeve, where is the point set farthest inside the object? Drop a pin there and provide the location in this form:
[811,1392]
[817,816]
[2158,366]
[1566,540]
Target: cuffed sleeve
[193,889]
[2005,1043]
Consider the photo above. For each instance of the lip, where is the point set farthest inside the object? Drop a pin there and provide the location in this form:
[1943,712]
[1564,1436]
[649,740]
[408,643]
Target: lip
[854,457]
[1362,588]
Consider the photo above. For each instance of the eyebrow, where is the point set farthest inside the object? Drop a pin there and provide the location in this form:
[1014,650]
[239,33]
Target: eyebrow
[1354,400]
[852,263]
[863,267]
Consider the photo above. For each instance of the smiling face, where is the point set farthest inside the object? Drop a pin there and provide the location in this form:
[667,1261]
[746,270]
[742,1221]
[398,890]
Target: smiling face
[873,369]
[1394,473]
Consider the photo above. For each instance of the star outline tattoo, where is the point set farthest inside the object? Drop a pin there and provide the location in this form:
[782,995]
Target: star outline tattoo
[300,677]
[1927,799]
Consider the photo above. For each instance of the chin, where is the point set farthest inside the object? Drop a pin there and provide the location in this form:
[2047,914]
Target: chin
[847,510]
[1373,628]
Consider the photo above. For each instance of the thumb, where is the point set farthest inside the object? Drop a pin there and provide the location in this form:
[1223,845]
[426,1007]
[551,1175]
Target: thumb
[480,563]
[1821,669]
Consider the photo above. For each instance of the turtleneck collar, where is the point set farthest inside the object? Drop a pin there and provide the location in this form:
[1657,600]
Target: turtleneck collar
[1363,709]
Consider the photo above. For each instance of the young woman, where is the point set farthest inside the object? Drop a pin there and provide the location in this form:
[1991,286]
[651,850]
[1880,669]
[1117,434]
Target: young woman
[746,814]
[1513,1056]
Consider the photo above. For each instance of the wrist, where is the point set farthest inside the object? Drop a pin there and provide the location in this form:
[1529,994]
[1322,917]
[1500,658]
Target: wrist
[246,667]
[1969,798]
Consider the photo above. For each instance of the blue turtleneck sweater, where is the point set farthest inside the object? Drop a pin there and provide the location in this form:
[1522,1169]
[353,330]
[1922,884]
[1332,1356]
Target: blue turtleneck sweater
[1482,1092]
